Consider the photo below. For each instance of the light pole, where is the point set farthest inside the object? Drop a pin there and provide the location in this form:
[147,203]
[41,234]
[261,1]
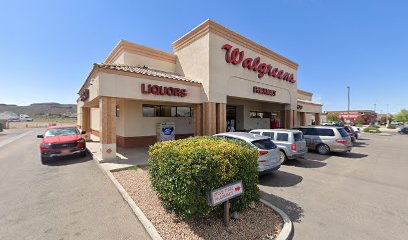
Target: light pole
[348,103]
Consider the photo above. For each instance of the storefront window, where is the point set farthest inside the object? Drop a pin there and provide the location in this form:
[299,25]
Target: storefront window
[254,114]
[166,111]
[151,111]
[183,111]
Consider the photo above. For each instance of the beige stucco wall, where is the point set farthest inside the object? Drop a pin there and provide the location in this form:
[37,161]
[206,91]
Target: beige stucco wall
[311,108]
[120,59]
[133,59]
[119,86]
[79,112]
[193,61]
[136,125]
[304,96]
[95,119]
[233,80]
[94,88]
[120,120]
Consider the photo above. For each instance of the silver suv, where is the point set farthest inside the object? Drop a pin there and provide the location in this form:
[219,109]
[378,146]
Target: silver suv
[291,143]
[325,139]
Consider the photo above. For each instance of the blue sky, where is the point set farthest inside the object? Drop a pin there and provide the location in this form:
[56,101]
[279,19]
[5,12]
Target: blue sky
[47,48]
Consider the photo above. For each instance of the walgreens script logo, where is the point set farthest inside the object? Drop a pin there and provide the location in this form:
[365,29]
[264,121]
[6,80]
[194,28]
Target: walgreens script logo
[236,57]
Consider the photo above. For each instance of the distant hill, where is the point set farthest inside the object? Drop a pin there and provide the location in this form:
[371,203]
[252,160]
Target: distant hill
[41,109]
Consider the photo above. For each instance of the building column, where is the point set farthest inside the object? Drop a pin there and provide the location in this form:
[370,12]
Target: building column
[86,122]
[302,118]
[288,119]
[107,133]
[282,121]
[294,117]
[198,123]
[209,118]
[221,117]
[317,118]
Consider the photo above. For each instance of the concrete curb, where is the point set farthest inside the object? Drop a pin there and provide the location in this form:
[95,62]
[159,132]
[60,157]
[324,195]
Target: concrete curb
[287,229]
[285,234]
[150,229]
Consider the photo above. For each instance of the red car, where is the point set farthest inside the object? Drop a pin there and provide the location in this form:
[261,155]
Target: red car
[62,141]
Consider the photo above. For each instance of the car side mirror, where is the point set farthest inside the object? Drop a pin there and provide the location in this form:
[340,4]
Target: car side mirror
[40,136]
[83,132]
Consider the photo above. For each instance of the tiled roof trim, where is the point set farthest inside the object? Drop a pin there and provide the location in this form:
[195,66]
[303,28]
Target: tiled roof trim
[145,71]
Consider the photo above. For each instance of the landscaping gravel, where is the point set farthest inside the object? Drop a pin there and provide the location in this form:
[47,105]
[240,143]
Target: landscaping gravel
[256,223]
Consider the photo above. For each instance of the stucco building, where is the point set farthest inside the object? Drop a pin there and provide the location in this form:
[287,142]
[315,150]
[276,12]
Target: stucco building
[215,80]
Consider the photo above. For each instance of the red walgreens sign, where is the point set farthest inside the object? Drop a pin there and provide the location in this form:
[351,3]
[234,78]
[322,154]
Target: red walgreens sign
[160,90]
[225,193]
[236,57]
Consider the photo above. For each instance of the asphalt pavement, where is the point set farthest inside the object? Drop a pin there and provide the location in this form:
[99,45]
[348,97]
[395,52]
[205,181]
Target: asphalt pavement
[67,199]
[358,195]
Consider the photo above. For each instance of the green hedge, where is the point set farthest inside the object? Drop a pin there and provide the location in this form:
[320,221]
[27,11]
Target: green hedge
[391,126]
[182,172]
[371,129]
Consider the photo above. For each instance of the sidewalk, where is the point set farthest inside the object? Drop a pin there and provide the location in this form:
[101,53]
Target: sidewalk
[125,157]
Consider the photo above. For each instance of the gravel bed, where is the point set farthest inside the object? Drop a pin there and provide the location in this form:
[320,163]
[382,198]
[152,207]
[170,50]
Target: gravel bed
[256,223]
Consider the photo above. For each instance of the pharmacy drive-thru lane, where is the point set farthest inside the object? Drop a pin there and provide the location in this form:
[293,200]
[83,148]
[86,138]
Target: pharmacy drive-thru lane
[69,199]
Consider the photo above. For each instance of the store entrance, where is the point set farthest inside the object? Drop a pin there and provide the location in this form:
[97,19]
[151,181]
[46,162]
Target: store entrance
[231,118]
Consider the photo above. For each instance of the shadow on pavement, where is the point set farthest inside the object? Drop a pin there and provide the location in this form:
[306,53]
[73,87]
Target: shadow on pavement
[359,144]
[280,179]
[294,211]
[305,163]
[351,155]
[68,160]
[316,157]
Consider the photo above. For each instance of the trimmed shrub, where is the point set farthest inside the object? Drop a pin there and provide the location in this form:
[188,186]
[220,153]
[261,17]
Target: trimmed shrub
[182,172]
[371,129]
[391,126]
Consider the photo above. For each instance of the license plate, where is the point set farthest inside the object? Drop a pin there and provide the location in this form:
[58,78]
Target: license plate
[65,151]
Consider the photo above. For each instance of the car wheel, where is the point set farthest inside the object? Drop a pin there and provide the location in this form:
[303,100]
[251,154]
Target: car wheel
[323,149]
[283,158]
[82,154]
[44,160]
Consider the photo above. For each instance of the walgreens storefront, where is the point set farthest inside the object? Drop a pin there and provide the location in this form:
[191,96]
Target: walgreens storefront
[215,81]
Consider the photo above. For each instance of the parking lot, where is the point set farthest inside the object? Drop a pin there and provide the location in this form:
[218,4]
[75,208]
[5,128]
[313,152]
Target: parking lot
[357,195]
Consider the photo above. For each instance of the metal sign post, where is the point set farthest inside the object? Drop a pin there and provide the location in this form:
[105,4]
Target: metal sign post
[227,206]
[223,195]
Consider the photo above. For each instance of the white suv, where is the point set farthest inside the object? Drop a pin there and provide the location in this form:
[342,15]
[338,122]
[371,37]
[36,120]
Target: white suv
[268,152]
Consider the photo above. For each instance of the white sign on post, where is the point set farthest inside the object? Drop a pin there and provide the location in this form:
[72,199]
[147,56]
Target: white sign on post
[225,193]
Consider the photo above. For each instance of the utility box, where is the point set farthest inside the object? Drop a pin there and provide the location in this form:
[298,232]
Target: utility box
[166,131]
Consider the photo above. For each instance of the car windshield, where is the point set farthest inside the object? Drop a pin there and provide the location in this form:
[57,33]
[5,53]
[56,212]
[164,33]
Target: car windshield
[264,144]
[343,132]
[55,132]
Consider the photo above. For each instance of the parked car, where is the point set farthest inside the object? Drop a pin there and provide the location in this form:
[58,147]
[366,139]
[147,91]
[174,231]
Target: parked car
[403,130]
[357,131]
[268,160]
[351,132]
[291,143]
[326,139]
[25,118]
[61,141]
